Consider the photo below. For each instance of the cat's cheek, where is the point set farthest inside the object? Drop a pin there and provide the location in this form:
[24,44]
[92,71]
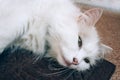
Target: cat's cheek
[83,66]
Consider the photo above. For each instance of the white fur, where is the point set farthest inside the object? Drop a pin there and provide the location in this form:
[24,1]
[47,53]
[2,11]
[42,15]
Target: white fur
[28,23]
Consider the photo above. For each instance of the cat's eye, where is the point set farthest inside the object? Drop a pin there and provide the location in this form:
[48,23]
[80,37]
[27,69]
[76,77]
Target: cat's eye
[87,60]
[79,42]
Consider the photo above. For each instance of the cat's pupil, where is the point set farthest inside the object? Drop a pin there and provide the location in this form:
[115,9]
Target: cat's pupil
[86,60]
[79,42]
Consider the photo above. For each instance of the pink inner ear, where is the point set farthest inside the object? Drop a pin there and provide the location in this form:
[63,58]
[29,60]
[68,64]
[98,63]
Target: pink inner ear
[93,16]
[79,18]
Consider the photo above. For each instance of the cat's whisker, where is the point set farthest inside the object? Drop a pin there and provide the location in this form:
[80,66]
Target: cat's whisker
[52,67]
[55,68]
[58,73]
[60,68]
[69,74]
[36,58]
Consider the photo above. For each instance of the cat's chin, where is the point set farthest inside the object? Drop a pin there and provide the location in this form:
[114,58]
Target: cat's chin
[80,67]
[75,67]
[66,63]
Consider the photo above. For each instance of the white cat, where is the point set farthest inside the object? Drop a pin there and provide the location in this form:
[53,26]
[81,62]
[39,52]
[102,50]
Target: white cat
[71,34]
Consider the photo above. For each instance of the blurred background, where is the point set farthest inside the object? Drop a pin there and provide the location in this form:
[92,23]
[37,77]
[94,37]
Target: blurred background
[113,5]
[108,27]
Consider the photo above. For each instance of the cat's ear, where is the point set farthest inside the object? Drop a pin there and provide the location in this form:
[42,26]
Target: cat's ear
[105,49]
[92,16]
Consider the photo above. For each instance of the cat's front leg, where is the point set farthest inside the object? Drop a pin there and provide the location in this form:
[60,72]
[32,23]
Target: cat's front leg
[7,37]
[35,39]
[33,42]
[9,33]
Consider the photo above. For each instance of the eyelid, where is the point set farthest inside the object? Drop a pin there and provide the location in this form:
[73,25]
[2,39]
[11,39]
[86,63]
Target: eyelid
[79,38]
[79,42]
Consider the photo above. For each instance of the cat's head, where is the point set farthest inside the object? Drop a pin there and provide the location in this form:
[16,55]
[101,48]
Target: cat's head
[80,49]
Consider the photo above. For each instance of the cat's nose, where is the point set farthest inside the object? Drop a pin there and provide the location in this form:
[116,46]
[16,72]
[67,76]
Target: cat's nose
[75,61]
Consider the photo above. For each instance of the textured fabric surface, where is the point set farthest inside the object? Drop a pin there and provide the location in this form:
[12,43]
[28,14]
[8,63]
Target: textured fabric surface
[19,64]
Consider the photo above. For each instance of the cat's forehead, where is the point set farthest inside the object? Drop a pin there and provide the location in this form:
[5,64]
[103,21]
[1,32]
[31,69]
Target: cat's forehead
[87,32]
